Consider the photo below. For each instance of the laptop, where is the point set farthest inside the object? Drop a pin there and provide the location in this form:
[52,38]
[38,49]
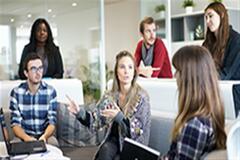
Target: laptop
[133,150]
[18,148]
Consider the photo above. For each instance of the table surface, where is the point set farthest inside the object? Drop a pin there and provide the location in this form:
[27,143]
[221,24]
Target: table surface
[51,153]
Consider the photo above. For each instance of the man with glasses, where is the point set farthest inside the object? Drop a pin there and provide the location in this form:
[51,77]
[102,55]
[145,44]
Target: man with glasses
[152,52]
[33,105]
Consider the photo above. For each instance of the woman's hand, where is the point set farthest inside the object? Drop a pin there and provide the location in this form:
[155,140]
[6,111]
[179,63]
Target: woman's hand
[72,106]
[110,111]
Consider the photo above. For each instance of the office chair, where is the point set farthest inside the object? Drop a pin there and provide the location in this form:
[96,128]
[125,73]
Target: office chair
[233,141]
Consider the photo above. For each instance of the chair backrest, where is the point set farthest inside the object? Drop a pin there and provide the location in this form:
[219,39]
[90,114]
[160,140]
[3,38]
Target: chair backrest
[233,141]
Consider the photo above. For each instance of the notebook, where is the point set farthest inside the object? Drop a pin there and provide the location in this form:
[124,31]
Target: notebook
[133,150]
[19,148]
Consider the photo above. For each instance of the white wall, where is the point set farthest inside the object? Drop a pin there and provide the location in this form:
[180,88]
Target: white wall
[121,28]
[75,37]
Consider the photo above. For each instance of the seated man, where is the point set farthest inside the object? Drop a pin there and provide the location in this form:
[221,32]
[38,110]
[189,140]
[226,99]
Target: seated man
[152,52]
[33,105]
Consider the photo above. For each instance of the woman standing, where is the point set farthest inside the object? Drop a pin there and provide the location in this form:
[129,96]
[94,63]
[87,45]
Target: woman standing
[222,41]
[124,111]
[199,125]
[41,42]
[224,44]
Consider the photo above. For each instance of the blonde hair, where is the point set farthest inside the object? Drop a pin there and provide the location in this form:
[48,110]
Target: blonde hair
[199,95]
[131,98]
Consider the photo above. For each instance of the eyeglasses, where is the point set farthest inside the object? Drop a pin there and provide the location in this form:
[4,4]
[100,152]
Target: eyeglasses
[35,69]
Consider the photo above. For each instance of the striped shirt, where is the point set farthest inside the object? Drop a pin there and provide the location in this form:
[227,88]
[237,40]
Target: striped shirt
[33,112]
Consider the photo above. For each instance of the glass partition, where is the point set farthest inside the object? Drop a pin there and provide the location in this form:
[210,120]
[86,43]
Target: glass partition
[77,29]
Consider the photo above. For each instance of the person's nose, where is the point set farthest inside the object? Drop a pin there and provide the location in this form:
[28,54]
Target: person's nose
[42,31]
[126,70]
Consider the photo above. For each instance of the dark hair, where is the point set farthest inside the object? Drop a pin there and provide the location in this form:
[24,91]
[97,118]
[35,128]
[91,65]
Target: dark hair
[30,57]
[33,40]
[217,44]
[199,94]
[146,20]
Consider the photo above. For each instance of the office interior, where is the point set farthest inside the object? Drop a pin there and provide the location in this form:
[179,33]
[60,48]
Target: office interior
[91,32]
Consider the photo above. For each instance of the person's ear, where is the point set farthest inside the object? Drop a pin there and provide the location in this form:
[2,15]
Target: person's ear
[25,73]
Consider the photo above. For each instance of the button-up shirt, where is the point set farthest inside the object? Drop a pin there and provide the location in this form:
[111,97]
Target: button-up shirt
[33,112]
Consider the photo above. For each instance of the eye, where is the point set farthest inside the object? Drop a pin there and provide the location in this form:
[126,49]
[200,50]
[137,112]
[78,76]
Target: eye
[147,31]
[130,67]
[121,66]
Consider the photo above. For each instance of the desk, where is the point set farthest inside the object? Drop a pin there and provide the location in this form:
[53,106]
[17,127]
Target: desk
[163,95]
[71,87]
[52,153]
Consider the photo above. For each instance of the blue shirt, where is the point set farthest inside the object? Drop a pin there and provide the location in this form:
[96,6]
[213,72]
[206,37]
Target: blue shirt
[196,138]
[33,112]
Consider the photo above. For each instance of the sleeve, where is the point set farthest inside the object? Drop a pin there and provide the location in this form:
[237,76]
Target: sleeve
[228,72]
[52,111]
[59,64]
[21,69]
[16,117]
[160,56]
[140,122]
[84,117]
[192,141]
[91,117]
[137,54]
[123,123]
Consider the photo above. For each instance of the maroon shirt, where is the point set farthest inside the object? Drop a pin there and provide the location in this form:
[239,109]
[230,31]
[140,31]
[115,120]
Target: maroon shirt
[160,59]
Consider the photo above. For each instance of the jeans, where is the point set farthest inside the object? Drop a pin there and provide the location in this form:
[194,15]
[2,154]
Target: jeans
[109,150]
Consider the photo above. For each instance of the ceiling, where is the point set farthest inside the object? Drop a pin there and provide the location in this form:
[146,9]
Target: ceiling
[15,12]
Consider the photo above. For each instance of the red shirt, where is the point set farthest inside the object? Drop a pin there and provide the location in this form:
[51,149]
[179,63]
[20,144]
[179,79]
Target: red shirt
[160,59]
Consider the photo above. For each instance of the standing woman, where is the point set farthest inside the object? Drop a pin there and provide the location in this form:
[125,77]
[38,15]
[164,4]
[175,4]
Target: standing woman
[199,125]
[41,42]
[224,44]
[128,111]
[222,41]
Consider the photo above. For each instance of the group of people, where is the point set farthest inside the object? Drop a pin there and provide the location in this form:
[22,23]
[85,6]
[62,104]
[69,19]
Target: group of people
[199,124]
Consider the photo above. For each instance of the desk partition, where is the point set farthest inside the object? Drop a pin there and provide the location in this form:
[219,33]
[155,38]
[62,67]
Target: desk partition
[164,95]
[71,87]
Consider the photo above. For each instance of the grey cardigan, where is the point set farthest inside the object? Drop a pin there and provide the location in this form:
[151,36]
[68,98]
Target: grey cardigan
[137,126]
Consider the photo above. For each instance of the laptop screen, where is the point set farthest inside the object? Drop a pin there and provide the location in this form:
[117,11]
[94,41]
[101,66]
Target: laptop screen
[4,130]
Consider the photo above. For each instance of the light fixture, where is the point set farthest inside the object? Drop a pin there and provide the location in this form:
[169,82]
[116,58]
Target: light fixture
[12,20]
[49,10]
[29,15]
[74,4]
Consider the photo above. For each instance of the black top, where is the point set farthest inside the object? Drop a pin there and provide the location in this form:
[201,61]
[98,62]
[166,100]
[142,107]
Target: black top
[55,64]
[231,62]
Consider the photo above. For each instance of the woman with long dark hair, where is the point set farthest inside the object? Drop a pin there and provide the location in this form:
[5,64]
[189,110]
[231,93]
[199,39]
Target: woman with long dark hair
[222,41]
[224,45]
[41,42]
